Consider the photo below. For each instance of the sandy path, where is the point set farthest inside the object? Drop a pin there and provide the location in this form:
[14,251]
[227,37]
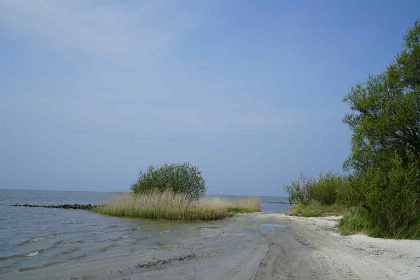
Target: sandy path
[324,254]
[254,246]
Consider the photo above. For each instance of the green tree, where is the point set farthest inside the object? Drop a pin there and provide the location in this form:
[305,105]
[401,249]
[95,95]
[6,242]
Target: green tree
[181,178]
[386,117]
[385,154]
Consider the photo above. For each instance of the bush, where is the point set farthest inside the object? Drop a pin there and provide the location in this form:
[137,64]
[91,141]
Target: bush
[392,191]
[349,193]
[298,190]
[180,178]
[327,190]
[354,221]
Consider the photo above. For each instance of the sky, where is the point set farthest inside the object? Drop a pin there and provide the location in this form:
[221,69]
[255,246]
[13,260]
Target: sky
[92,92]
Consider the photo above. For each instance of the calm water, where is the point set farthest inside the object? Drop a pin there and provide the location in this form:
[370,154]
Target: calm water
[35,237]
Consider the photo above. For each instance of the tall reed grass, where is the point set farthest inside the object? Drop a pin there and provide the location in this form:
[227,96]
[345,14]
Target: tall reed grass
[176,206]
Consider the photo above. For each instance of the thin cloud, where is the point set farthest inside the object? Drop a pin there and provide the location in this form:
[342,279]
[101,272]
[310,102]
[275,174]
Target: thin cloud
[121,31]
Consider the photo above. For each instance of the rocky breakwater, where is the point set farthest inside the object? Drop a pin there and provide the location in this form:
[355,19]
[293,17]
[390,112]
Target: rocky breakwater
[62,206]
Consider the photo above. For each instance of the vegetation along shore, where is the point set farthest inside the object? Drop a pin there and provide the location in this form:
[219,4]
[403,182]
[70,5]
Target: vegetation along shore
[380,195]
[172,206]
[175,192]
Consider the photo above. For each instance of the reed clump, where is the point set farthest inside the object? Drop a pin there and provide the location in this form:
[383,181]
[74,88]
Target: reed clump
[176,206]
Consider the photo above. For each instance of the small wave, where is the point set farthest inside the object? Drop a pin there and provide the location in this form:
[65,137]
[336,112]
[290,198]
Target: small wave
[76,242]
[31,254]
[59,242]
[78,257]
[103,249]
[135,228]
[71,250]
[121,237]
[38,238]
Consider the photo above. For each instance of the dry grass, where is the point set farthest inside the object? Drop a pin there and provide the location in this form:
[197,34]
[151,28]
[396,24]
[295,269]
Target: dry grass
[168,205]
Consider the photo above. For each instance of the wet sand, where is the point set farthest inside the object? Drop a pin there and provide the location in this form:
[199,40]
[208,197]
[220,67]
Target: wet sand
[253,246]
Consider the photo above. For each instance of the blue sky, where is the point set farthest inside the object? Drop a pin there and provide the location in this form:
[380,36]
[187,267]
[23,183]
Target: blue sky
[250,91]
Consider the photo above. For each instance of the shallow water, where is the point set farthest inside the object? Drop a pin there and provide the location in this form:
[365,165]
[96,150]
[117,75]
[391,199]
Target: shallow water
[274,204]
[266,228]
[31,238]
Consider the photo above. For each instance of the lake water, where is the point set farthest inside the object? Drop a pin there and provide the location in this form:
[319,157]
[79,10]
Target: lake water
[31,238]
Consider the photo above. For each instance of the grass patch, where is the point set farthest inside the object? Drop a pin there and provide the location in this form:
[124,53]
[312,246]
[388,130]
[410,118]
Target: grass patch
[316,209]
[240,210]
[172,206]
[355,220]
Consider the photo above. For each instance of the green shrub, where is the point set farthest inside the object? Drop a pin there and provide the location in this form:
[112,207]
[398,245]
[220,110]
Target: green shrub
[355,221]
[328,189]
[180,178]
[298,190]
[392,191]
[325,189]
[349,192]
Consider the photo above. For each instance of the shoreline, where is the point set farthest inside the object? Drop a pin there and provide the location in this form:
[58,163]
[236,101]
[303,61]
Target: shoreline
[254,246]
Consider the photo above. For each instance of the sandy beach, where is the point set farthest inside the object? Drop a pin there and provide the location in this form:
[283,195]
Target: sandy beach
[253,246]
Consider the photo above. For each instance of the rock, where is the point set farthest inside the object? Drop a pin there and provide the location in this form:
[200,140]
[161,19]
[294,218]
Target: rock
[62,206]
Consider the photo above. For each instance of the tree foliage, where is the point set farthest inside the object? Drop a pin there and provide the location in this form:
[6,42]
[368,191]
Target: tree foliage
[386,110]
[180,178]
[382,190]
[385,153]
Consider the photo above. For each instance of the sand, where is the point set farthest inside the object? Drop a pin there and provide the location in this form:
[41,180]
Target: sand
[254,246]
